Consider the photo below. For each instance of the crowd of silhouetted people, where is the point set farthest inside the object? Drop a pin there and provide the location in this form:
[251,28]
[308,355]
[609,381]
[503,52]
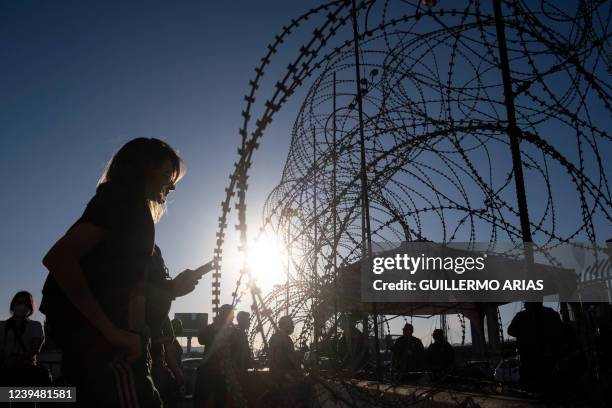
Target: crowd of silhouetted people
[549,350]
[220,378]
[410,359]
[108,293]
[552,359]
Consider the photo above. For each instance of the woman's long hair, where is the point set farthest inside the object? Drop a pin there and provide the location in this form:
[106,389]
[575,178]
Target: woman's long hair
[129,166]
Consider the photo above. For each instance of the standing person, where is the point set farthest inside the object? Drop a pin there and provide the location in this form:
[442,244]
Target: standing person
[167,376]
[538,330]
[440,354]
[20,343]
[290,388]
[245,361]
[158,304]
[408,352]
[94,297]
[165,380]
[174,355]
[216,377]
[282,357]
[353,347]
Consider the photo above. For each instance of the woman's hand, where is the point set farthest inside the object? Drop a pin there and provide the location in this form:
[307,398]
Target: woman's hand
[127,341]
[186,281]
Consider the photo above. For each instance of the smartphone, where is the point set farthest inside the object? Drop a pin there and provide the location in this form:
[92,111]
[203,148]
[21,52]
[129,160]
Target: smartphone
[204,269]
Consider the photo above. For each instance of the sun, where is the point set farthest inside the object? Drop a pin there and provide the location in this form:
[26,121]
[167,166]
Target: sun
[267,262]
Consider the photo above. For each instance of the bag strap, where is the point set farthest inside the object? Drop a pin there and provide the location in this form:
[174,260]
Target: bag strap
[10,324]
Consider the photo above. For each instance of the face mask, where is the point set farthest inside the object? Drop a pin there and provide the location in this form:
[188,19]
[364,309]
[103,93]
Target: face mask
[21,310]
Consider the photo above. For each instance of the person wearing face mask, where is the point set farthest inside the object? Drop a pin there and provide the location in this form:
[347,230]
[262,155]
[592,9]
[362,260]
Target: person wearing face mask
[20,343]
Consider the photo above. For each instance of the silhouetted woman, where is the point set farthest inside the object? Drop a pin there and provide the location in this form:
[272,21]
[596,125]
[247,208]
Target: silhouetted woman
[20,342]
[95,295]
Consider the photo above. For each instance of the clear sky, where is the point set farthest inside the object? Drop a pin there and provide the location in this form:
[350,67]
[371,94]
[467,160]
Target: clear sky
[79,79]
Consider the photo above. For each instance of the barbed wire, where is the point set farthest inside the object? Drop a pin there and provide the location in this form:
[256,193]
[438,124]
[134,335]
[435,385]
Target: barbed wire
[437,146]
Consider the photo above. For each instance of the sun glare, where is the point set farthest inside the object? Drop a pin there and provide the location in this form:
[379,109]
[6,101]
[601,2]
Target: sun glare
[267,262]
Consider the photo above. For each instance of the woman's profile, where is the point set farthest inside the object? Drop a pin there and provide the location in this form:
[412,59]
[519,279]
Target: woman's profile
[94,297]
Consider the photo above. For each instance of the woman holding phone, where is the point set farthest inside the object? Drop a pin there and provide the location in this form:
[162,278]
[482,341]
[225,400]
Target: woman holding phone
[95,295]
